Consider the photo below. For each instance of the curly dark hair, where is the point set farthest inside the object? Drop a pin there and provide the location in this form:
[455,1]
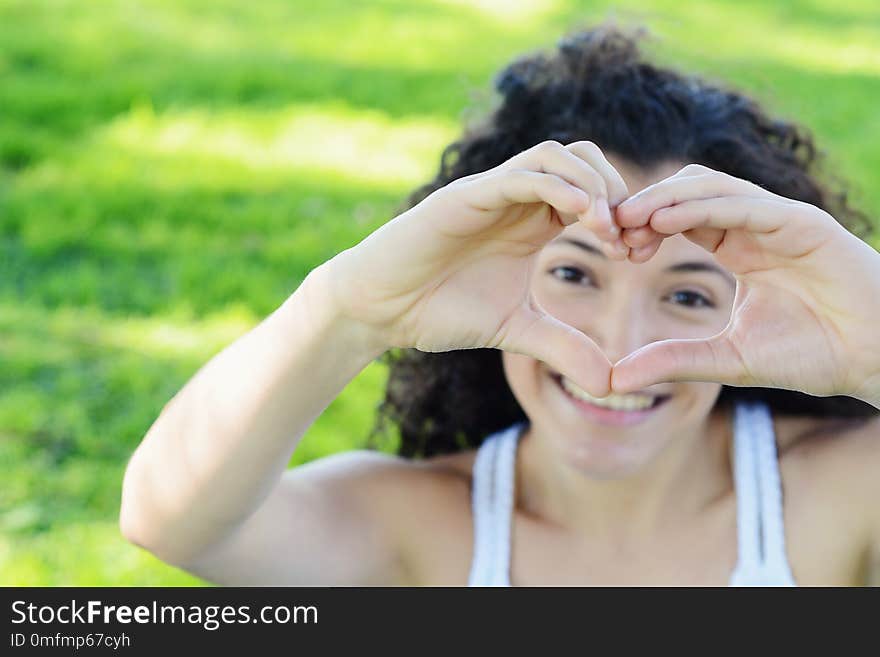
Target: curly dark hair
[597,86]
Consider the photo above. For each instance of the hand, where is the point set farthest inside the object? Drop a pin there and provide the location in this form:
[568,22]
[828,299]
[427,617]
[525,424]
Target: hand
[454,271]
[807,306]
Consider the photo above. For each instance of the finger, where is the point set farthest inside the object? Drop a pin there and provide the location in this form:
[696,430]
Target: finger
[505,188]
[616,250]
[645,253]
[756,215]
[637,209]
[598,220]
[713,359]
[709,238]
[553,157]
[593,155]
[533,332]
[641,236]
[644,236]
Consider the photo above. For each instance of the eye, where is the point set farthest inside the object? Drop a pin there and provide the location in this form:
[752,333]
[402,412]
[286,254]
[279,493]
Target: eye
[571,274]
[690,299]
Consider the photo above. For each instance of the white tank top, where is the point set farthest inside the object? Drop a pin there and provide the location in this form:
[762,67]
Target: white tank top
[760,530]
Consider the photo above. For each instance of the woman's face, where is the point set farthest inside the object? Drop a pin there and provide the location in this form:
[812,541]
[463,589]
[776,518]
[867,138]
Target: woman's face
[681,292]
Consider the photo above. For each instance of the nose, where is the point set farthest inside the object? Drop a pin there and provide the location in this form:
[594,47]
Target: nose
[620,329]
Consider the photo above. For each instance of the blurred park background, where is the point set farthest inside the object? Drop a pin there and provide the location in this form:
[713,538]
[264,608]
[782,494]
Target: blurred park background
[170,170]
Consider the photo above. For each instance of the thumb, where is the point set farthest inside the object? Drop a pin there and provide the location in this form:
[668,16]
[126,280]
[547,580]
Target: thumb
[533,332]
[713,359]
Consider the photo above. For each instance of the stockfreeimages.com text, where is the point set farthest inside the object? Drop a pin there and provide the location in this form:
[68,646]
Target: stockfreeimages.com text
[211,617]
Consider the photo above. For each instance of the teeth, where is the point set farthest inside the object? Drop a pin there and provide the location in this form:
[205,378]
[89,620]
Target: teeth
[630,402]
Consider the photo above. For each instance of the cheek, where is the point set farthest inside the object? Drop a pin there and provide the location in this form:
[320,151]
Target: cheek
[669,325]
[697,397]
[661,321]
[523,376]
[517,367]
[567,302]
[719,317]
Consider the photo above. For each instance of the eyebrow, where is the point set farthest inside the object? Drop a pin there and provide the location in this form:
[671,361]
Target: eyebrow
[679,267]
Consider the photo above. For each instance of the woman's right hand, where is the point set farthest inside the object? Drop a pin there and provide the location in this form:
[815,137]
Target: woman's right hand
[454,271]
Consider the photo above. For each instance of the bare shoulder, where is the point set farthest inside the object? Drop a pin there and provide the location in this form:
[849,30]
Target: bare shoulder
[388,478]
[829,468]
[358,517]
[832,463]
[424,506]
[402,492]
[835,441]
[459,464]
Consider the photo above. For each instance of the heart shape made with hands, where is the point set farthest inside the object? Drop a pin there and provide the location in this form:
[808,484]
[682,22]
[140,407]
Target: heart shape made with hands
[788,314]
[670,360]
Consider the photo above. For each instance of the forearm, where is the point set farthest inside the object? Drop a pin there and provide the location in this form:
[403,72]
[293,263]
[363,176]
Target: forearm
[222,443]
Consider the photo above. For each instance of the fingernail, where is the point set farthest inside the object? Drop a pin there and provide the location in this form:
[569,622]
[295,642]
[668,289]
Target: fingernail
[589,203]
[607,219]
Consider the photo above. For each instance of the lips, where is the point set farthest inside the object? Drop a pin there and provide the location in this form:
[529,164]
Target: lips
[608,416]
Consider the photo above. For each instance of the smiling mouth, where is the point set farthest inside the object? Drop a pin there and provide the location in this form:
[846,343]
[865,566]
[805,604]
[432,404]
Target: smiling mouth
[629,405]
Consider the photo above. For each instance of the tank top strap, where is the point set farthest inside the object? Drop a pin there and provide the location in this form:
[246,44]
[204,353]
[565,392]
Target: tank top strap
[481,500]
[505,476]
[760,526]
[770,483]
[747,504]
[493,502]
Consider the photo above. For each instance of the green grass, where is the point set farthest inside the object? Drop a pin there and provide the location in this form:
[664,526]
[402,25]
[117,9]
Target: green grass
[170,171]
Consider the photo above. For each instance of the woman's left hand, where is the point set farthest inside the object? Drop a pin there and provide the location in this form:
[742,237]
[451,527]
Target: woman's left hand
[806,315]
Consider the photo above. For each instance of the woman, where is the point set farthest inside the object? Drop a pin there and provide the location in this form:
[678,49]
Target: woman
[631,343]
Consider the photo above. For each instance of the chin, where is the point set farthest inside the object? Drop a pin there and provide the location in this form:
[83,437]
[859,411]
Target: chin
[609,457]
